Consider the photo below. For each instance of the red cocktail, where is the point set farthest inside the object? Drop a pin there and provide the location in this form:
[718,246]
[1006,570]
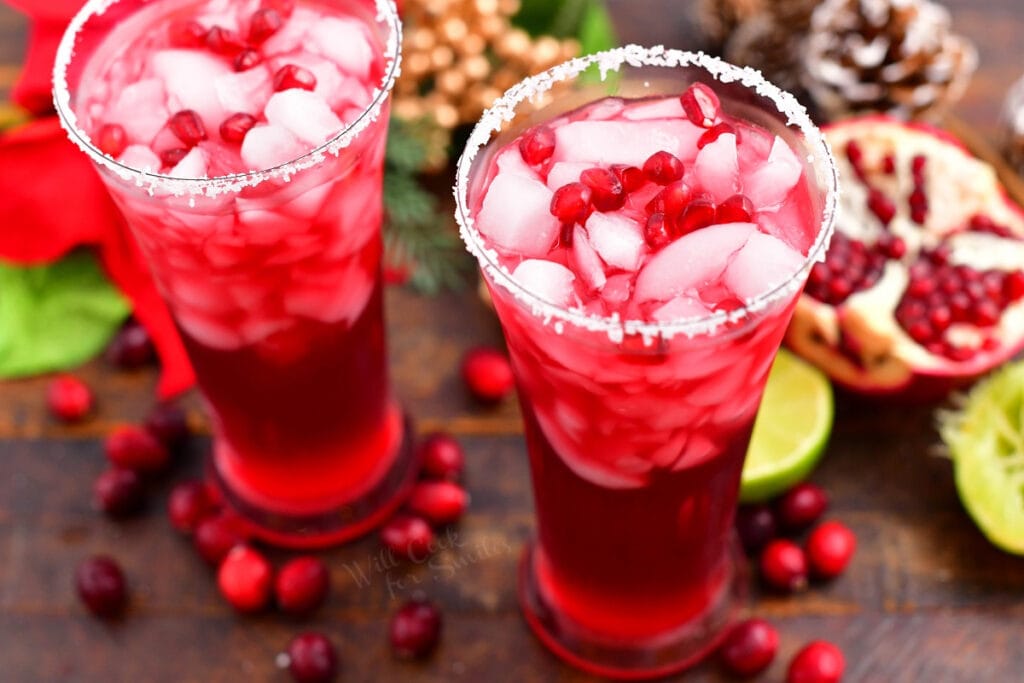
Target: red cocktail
[244,142]
[644,240]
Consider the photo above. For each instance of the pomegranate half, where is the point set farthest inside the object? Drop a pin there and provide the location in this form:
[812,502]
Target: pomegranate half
[923,287]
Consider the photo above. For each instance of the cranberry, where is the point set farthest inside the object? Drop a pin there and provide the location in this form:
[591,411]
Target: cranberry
[441,456]
[749,647]
[100,584]
[168,423]
[606,192]
[187,127]
[134,448]
[245,578]
[224,41]
[186,34]
[408,537]
[246,59]
[487,374]
[663,168]
[571,203]
[312,659]
[302,585]
[132,347]
[818,662]
[69,398]
[699,213]
[265,23]
[235,127]
[802,506]
[172,157]
[439,502]
[189,504]
[111,139]
[784,566]
[656,232]
[631,177]
[415,629]
[713,134]
[701,105]
[830,548]
[537,145]
[119,492]
[756,526]
[215,536]
[293,76]
[735,209]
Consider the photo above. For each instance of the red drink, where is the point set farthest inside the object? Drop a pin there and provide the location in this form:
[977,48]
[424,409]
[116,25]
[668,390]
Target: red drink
[643,297]
[244,142]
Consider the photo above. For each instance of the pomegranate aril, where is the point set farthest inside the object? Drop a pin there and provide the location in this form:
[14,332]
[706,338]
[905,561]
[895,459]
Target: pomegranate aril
[215,536]
[235,127]
[735,209]
[700,213]
[817,662]
[223,41]
[186,33]
[571,203]
[918,206]
[135,448]
[487,374]
[537,145]
[663,168]
[656,231]
[982,223]
[415,629]
[265,23]
[171,157]
[565,234]
[245,578]
[713,134]
[892,247]
[439,502]
[111,139]
[917,166]
[302,585]
[408,537]
[187,127]
[889,164]
[986,314]
[830,548]
[701,105]
[756,526]
[940,319]
[132,347]
[880,205]
[68,398]
[631,177]
[784,566]
[168,423]
[294,76]
[119,492]
[100,585]
[606,193]
[1013,285]
[246,59]
[312,659]
[801,506]
[749,648]
[189,504]
[441,456]
[673,200]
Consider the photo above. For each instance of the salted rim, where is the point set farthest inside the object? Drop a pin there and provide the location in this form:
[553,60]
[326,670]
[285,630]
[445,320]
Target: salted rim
[233,183]
[504,109]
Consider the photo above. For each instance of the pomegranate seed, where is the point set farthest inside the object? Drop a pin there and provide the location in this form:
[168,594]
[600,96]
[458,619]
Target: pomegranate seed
[100,584]
[889,164]
[282,7]
[713,134]
[817,662]
[801,506]
[223,41]
[830,548]
[735,209]
[187,127]
[893,247]
[854,153]
[134,448]
[245,578]
[246,59]
[700,213]
[940,255]
[784,566]
[701,105]
[940,319]
[839,289]
[312,659]
[917,166]
[918,206]
[565,234]
[119,492]
[571,203]
[672,201]
[172,157]
[408,537]
[265,23]
[756,526]
[441,456]
[537,145]
[132,347]
[293,76]
[982,223]
[1013,285]
[235,127]
[302,585]
[749,648]
[986,314]
[168,423]
[186,34]
[663,168]
[656,232]
[111,139]
[415,629]
[439,502]
[606,191]
[189,504]
[880,205]
[69,398]
[631,177]
[487,374]
[214,538]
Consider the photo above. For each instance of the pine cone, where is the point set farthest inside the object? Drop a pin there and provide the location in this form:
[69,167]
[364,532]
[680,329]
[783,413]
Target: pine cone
[1013,117]
[772,41]
[719,18]
[897,56]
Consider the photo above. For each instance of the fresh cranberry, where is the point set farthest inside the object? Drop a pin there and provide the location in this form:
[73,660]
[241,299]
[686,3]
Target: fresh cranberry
[830,548]
[487,374]
[631,177]
[537,145]
[408,537]
[224,41]
[215,536]
[132,347]
[312,659]
[293,76]
[713,133]
[111,139]
[245,578]
[735,209]
[235,127]
[439,502]
[69,398]
[172,157]
[168,423]
[302,585]
[186,34]
[415,629]
[817,662]
[265,23]
[663,168]
[134,448]
[189,504]
[571,203]
[699,213]
[100,584]
[756,526]
[701,105]
[802,506]
[606,192]
[282,7]
[784,566]
[187,127]
[750,647]
[656,231]
[441,456]
[246,59]
[119,492]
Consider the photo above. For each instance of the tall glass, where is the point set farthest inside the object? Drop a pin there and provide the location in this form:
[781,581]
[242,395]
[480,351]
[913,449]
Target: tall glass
[274,280]
[636,431]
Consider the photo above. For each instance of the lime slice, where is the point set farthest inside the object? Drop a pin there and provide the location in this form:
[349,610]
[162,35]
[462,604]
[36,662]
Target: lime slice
[986,440]
[791,431]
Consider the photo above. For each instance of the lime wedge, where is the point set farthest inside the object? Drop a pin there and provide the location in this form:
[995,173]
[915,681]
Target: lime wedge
[791,430]
[986,440]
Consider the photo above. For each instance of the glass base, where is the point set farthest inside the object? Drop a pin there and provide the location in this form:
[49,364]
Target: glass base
[667,654]
[334,526]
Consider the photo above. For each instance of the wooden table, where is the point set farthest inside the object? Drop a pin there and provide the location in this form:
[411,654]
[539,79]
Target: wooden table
[927,598]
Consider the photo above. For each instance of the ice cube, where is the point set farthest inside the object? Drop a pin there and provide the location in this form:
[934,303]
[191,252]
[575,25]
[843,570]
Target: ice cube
[189,76]
[549,281]
[717,168]
[679,308]
[618,240]
[260,226]
[342,300]
[516,216]
[771,182]
[193,165]
[791,222]
[510,160]
[265,147]
[345,42]
[582,458]
[257,327]
[692,262]
[308,201]
[604,109]
[565,172]
[351,94]
[586,261]
[762,264]
[206,329]
[304,114]
[246,91]
[141,110]
[754,145]
[292,35]
[621,142]
[141,158]
[665,108]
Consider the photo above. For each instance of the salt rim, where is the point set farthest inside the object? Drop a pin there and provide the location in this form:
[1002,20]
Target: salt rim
[504,109]
[234,183]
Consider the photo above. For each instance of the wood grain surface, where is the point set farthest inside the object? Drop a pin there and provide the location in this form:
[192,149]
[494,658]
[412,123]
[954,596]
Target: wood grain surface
[927,598]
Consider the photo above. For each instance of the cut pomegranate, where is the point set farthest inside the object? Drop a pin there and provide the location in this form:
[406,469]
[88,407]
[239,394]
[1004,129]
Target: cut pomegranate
[187,127]
[537,145]
[292,76]
[265,23]
[923,286]
[111,139]
[234,127]
[701,105]
[246,59]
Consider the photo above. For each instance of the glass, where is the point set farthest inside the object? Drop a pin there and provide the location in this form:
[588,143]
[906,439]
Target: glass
[274,280]
[637,432]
